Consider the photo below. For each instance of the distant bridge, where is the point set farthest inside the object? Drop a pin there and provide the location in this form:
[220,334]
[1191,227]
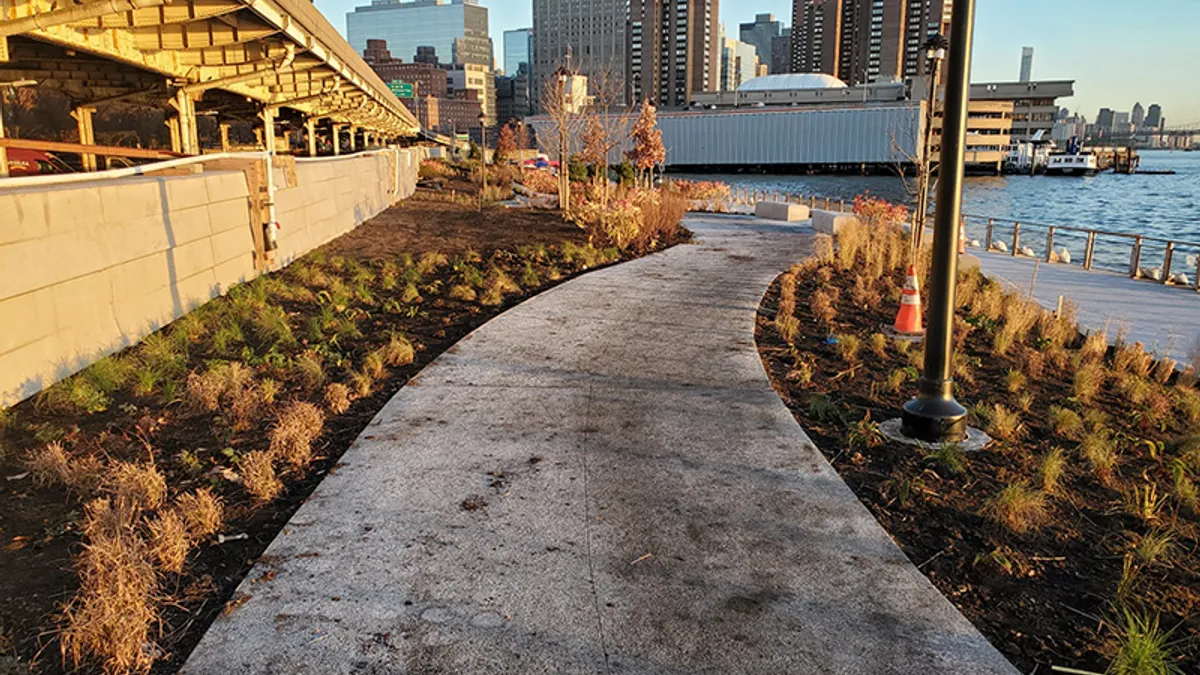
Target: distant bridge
[1182,131]
[235,59]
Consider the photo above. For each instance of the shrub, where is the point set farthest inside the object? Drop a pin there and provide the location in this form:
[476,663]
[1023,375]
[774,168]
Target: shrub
[373,365]
[1134,360]
[291,438]
[1019,508]
[989,301]
[430,262]
[258,476]
[851,241]
[398,351]
[462,292]
[823,306]
[1094,347]
[309,371]
[1164,369]
[1187,403]
[497,286]
[1066,422]
[701,190]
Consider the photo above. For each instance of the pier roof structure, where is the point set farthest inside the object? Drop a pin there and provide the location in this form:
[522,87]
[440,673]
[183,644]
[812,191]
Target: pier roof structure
[233,58]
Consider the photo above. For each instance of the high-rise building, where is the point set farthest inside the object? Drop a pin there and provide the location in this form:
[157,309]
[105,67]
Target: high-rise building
[674,50]
[588,36]
[458,28]
[1026,64]
[739,63]
[480,82]
[760,33]
[518,49]
[1104,120]
[1154,118]
[865,40]
[1138,117]
[427,80]
[781,52]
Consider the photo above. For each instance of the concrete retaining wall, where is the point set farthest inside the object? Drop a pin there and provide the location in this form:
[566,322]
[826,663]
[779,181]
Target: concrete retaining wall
[89,268]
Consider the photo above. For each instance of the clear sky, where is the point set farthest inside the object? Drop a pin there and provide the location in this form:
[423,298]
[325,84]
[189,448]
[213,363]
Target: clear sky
[1118,52]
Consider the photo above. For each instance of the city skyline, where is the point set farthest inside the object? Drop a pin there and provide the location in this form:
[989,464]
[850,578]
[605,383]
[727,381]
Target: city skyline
[1106,76]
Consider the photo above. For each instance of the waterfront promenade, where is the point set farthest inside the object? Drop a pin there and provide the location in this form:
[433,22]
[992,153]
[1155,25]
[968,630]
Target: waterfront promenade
[600,480]
[1165,319]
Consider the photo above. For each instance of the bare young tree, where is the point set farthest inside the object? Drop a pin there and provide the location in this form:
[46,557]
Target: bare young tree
[559,103]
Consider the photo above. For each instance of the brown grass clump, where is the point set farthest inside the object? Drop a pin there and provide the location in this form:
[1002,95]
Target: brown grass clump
[292,436]
[1051,469]
[824,306]
[1099,449]
[110,618]
[1134,360]
[1094,347]
[968,287]
[864,294]
[878,343]
[848,347]
[310,372]
[851,239]
[258,476]
[1058,331]
[337,398]
[136,486]
[1187,403]
[51,465]
[989,302]
[497,286]
[361,384]
[787,326]
[203,513]
[1004,424]
[1088,381]
[823,248]
[373,365]
[462,292]
[1015,381]
[1066,422]
[1033,363]
[1164,369]
[170,542]
[398,351]
[1019,508]
[430,262]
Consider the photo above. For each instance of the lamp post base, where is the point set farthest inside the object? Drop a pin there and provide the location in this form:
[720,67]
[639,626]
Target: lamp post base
[934,420]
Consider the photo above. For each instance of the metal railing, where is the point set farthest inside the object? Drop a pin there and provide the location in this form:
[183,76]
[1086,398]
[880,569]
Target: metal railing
[751,196]
[1016,237]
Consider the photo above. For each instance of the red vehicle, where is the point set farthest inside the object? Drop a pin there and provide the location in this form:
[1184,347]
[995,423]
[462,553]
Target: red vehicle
[34,163]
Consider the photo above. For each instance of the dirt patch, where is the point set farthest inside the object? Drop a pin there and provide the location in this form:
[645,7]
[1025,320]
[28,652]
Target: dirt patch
[453,229]
[355,307]
[1054,594]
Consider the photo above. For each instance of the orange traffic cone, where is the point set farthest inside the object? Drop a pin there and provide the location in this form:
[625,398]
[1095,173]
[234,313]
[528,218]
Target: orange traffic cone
[908,320]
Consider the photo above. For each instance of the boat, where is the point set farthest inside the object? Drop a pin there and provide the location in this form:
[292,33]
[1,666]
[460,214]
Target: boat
[1074,162]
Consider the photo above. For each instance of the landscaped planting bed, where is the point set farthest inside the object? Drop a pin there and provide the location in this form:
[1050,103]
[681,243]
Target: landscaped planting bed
[135,496]
[1072,540]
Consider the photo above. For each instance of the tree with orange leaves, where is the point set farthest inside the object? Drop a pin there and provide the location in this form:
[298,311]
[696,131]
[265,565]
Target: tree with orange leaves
[648,151]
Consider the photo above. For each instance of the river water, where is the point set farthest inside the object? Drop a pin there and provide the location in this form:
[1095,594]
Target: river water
[1166,207]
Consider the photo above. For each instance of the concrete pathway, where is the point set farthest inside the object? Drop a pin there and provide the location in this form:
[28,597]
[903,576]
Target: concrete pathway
[601,480]
[1165,319]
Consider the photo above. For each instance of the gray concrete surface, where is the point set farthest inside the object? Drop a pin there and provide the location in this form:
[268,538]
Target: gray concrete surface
[1165,319]
[641,501]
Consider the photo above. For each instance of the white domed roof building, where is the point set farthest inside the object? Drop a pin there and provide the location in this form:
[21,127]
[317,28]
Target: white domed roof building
[792,82]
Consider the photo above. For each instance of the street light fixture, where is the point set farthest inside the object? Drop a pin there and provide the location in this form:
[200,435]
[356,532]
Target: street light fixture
[6,87]
[935,51]
[935,416]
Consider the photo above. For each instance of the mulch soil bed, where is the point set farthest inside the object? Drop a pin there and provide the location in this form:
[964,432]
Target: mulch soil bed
[40,525]
[1045,597]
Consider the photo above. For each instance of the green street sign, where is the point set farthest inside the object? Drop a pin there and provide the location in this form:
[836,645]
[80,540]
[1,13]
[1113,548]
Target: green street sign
[401,89]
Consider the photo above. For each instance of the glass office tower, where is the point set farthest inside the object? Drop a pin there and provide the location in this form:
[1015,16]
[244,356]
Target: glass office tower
[457,29]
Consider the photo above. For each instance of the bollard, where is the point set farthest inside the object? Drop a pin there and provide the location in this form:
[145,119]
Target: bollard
[1050,245]
[828,204]
[991,232]
[1135,260]
[1167,259]
[812,202]
[1090,255]
[842,206]
[1016,238]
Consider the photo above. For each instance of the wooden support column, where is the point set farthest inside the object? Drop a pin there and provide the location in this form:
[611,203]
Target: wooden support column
[268,128]
[337,139]
[353,133]
[87,134]
[224,126]
[310,131]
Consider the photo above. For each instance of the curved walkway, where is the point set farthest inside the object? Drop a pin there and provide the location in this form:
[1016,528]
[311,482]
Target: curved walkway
[600,480]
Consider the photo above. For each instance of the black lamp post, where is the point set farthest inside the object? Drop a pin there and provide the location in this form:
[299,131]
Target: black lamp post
[934,416]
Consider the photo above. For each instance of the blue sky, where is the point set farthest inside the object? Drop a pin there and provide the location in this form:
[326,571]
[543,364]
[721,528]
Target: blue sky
[1118,52]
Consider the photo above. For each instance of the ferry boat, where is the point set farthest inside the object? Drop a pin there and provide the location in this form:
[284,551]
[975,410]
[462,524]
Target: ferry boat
[1082,164]
[1074,162]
